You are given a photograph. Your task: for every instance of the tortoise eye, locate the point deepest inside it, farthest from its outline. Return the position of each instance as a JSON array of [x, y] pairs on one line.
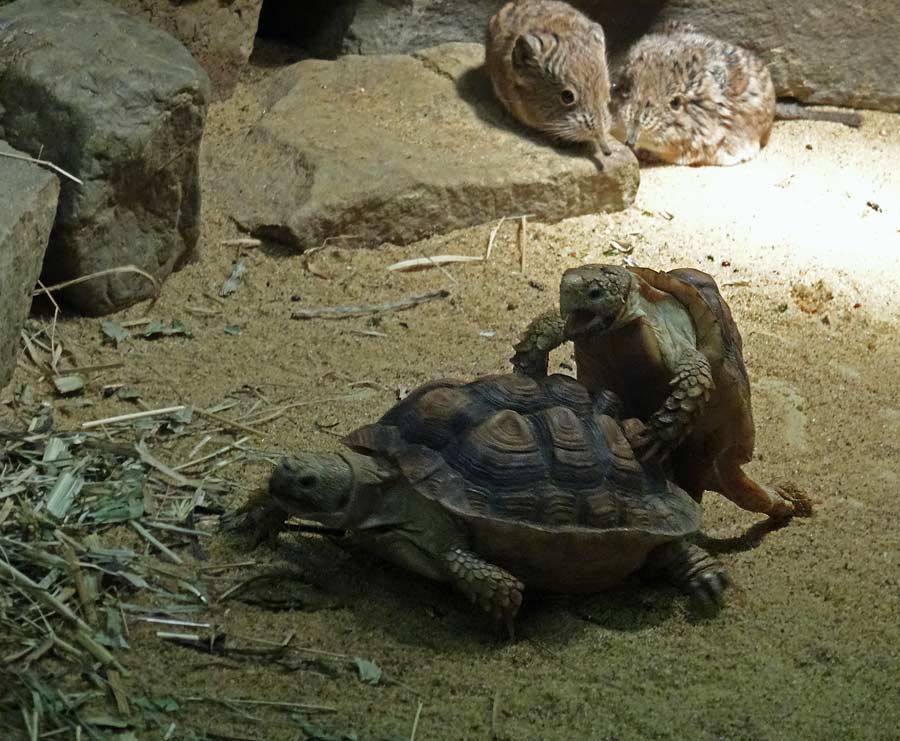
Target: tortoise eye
[[308, 481], [594, 294], [567, 97]]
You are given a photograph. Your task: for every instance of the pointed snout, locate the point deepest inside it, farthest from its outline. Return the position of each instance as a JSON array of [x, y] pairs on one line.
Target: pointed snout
[[632, 137]]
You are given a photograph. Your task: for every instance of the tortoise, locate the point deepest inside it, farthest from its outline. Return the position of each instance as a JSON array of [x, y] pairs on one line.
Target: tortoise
[[667, 345], [500, 483]]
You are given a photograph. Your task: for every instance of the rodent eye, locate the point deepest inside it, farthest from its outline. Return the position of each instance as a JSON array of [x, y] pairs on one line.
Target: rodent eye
[[567, 97], [675, 103]]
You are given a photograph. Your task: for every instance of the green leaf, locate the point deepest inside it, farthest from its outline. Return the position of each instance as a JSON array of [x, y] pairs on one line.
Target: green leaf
[[369, 671], [114, 332], [165, 704], [157, 328], [234, 280], [232, 329], [71, 384], [63, 494]]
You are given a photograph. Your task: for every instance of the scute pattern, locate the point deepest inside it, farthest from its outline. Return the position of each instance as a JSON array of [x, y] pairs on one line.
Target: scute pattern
[[545, 453]]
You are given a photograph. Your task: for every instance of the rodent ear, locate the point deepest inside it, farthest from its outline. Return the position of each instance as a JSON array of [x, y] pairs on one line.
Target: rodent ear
[[526, 52], [597, 33]]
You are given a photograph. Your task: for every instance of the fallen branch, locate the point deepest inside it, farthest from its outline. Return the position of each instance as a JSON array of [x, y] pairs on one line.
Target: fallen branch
[[43, 163], [132, 416], [423, 263], [100, 274], [345, 312]]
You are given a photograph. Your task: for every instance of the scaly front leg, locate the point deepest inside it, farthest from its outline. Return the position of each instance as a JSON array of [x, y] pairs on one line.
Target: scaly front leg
[[493, 589], [543, 335], [694, 570], [691, 384]]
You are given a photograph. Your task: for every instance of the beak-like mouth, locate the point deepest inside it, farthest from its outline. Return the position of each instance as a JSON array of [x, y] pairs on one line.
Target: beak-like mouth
[[581, 322]]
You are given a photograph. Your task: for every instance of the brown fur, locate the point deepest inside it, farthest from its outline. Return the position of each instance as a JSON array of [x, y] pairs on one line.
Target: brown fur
[[689, 99], [547, 63]]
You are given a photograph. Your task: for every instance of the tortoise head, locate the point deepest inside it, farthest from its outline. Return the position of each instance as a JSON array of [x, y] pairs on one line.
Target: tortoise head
[[592, 298], [314, 486]]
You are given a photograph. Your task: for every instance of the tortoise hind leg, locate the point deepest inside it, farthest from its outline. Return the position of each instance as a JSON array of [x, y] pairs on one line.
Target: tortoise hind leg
[[693, 569], [753, 497], [544, 334], [493, 589]]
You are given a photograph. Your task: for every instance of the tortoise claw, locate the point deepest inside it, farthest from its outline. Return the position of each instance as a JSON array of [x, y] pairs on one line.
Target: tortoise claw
[[708, 588]]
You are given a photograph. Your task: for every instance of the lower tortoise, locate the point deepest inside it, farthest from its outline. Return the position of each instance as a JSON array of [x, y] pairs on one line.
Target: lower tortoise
[[501, 483]]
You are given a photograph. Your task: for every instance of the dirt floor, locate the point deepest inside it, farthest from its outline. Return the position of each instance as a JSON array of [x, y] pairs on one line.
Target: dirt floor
[[805, 242]]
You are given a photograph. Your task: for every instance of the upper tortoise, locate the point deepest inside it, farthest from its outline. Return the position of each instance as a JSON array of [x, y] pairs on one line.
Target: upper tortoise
[[501, 483], [666, 344]]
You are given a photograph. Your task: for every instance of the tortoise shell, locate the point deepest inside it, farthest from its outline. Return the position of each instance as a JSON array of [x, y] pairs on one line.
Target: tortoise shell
[[730, 417], [539, 472]]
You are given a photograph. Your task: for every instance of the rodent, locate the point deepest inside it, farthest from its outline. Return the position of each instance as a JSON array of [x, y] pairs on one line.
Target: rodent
[[690, 99], [547, 63]]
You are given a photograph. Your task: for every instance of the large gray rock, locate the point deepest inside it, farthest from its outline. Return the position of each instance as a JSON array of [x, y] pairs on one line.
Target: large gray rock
[[27, 209], [396, 148], [220, 35], [841, 52], [121, 105]]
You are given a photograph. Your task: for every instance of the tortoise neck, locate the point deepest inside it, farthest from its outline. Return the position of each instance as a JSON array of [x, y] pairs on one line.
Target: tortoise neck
[[370, 477]]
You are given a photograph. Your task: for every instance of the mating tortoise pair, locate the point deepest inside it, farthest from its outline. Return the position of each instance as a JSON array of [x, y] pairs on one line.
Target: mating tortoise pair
[[512, 480]]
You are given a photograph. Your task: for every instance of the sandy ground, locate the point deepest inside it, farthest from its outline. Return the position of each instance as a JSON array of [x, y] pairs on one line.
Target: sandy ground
[[808, 646]]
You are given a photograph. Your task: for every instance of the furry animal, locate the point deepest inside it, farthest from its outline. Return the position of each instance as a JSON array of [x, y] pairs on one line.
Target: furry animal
[[689, 99], [547, 63]]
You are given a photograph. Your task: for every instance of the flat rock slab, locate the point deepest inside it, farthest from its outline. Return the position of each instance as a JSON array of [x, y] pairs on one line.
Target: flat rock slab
[[397, 148], [120, 105], [27, 210]]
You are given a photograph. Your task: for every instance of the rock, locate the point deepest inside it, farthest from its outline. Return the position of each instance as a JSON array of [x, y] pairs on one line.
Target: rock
[[121, 105], [386, 27], [27, 210], [838, 53], [220, 35], [396, 148], [835, 53]]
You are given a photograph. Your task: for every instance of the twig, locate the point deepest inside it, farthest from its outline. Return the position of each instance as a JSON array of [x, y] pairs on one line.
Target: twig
[[345, 312], [150, 538], [412, 735], [491, 237], [224, 421], [44, 163], [521, 241], [241, 242], [423, 263], [495, 714], [84, 596], [164, 469], [272, 703], [90, 368], [100, 274], [132, 416], [214, 454]]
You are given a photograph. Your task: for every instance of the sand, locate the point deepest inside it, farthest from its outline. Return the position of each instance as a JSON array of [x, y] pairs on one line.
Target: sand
[[808, 646]]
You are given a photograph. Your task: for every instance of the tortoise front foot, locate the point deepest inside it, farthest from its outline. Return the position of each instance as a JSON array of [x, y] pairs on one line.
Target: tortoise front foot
[[694, 570], [259, 518], [493, 589], [543, 335], [691, 384]]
